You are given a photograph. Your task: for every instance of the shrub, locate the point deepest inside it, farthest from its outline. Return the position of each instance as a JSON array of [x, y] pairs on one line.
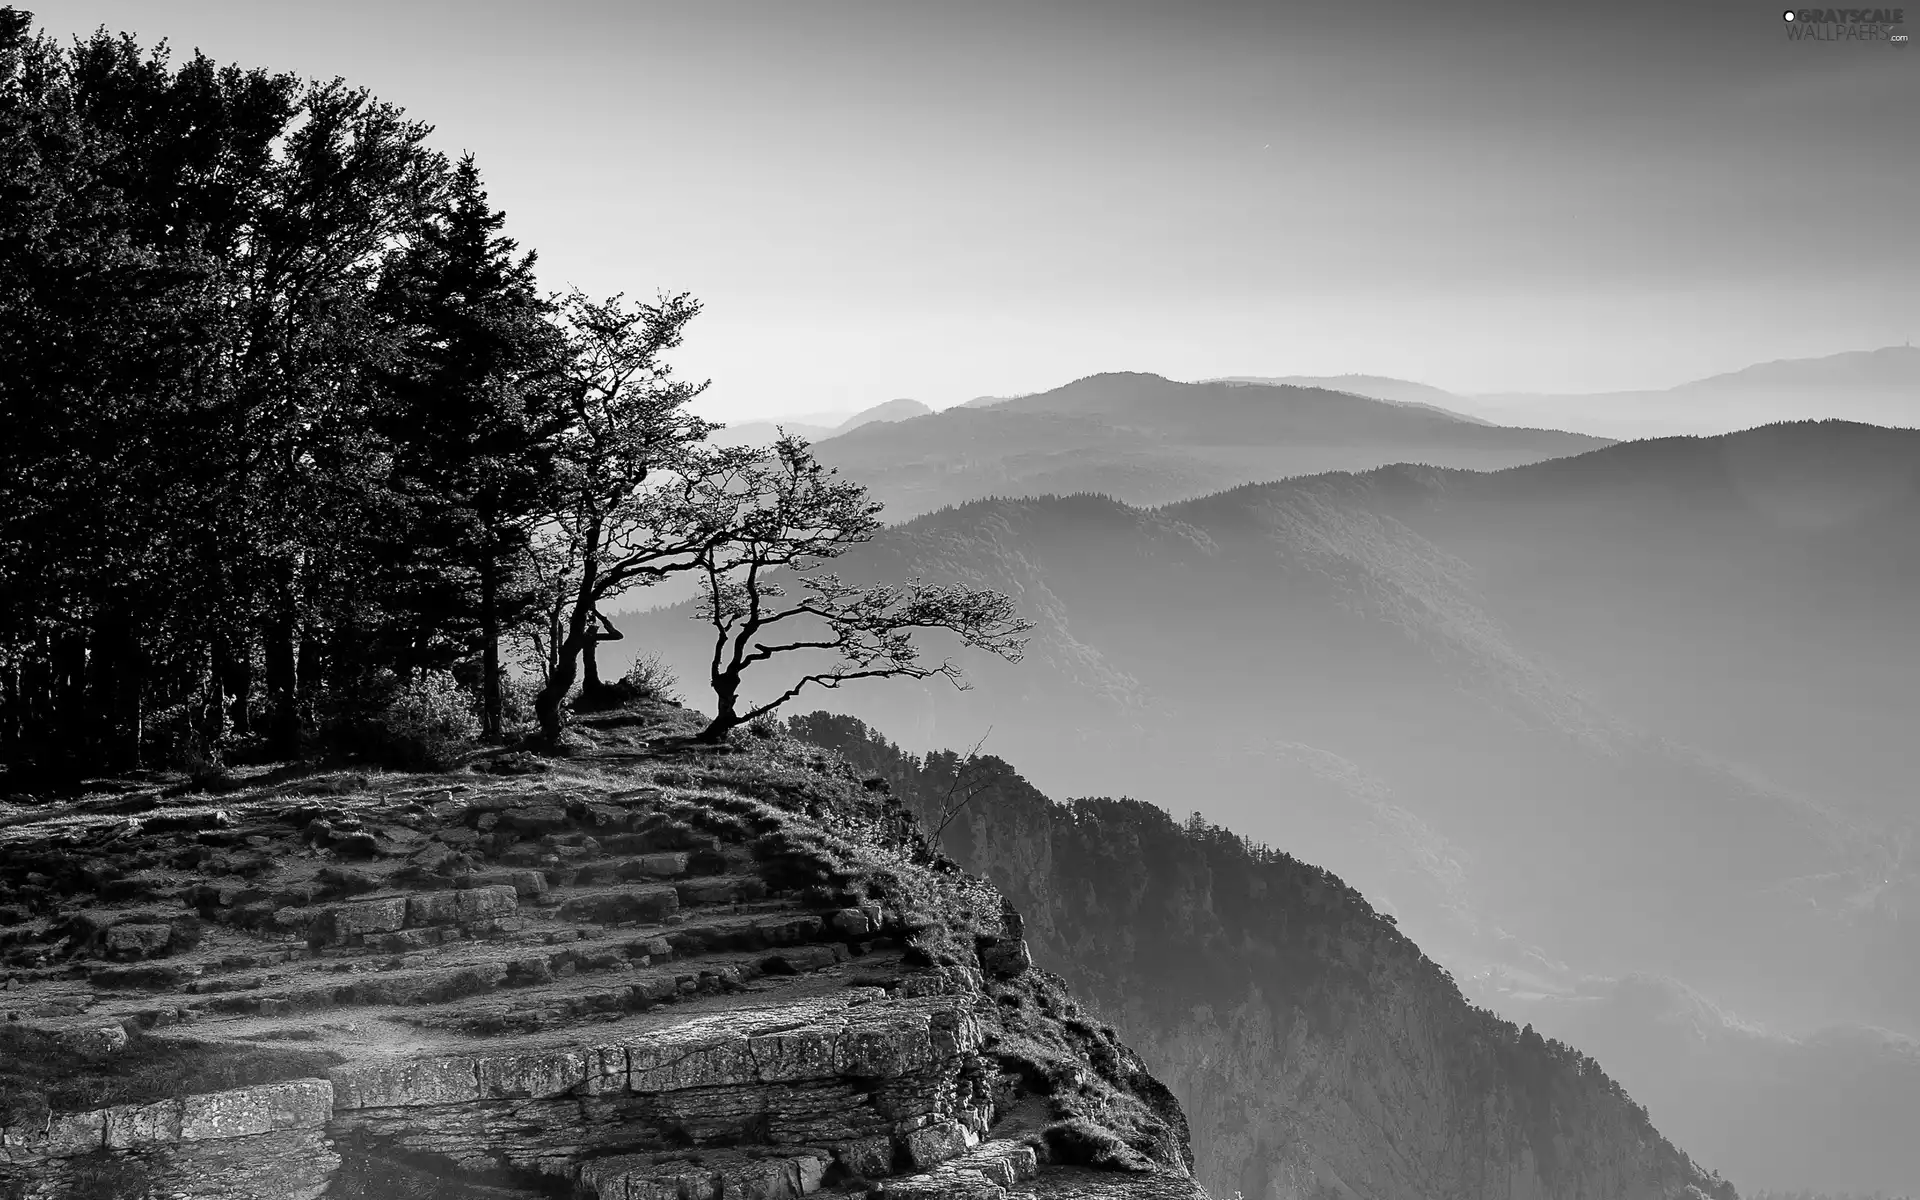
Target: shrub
[[1080, 1142], [649, 678], [763, 727], [427, 724], [516, 706]]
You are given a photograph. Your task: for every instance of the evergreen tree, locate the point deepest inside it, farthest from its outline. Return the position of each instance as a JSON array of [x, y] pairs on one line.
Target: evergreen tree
[[472, 419], [186, 260]]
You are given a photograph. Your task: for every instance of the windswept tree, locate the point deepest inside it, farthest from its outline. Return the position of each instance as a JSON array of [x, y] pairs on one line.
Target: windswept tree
[[622, 514], [785, 516]]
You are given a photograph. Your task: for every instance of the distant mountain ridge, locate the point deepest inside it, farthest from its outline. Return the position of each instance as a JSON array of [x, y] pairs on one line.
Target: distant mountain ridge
[[764, 432], [892, 410], [1377, 387], [1145, 439], [1880, 387]]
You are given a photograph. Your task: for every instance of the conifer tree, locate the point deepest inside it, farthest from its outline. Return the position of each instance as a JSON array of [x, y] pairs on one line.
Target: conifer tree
[[473, 417]]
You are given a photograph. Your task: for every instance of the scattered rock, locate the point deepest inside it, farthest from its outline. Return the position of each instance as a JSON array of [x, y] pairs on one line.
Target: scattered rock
[[128, 942]]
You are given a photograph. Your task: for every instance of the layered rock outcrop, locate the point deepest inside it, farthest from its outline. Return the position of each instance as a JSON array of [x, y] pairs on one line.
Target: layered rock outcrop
[[644, 973]]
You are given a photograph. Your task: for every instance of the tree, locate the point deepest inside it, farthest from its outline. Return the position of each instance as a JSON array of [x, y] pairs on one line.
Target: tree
[[299, 423], [132, 190], [625, 511], [473, 415], [784, 515], [193, 486], [971, 778]]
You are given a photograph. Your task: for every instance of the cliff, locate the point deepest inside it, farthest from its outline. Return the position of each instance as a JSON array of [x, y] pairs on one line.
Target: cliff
[[1316, 1051], [645, 970]]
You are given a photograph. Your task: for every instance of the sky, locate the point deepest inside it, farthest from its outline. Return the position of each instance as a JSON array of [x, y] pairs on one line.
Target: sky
[[900, 198]]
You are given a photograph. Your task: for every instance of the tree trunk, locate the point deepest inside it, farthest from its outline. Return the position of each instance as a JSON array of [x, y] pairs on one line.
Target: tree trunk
[[560, 678], [233, 670], [553, 693], [580, 630], [31, 728], [70, 696], [490, 720], [591, 654], [116, 667], [283, 721], [726, 695], [307, 663]]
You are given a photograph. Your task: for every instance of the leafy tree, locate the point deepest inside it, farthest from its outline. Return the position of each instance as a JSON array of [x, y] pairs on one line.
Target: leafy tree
[[621, 513], [193, 484], [128, 187], [300, 419], [784, 515]]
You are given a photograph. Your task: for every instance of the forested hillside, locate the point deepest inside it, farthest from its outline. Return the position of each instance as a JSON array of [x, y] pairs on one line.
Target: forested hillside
[[1316, 1051]]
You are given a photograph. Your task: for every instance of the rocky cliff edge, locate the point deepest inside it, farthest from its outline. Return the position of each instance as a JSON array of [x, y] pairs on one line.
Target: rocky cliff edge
[[644, 970]]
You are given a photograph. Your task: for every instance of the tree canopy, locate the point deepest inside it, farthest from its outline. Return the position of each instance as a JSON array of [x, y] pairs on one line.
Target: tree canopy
[[294, 434]]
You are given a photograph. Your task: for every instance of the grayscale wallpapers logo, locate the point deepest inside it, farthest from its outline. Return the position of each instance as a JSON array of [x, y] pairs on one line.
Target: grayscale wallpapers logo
[[1846, 25]]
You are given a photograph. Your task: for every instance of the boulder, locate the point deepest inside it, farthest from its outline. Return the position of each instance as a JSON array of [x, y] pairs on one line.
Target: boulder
[[1006, 960]]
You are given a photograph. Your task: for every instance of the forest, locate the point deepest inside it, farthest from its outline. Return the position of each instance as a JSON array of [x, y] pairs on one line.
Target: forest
[[1158, 921], [301, 456]]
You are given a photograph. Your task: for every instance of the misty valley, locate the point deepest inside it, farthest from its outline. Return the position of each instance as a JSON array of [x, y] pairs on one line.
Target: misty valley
[[452, 749]]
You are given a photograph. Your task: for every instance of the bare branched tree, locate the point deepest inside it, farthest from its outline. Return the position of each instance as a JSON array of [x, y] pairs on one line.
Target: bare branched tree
[[968, 783], [785, 515]]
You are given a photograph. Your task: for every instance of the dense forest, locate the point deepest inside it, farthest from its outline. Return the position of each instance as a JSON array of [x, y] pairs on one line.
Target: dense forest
[[299, 453]]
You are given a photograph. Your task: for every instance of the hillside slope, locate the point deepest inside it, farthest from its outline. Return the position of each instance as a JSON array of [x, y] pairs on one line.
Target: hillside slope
[[1343, 683], [1825, 1111], [1316, 1051]]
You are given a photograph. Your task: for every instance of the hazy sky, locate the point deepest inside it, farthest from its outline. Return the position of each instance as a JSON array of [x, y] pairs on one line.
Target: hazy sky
[[943, 200]]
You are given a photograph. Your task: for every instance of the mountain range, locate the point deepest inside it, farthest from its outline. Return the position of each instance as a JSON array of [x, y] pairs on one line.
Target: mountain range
[[1879, 387], [1149, 440], [815, 427], [1377, 387], [1144, 439], [1645, 709]]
